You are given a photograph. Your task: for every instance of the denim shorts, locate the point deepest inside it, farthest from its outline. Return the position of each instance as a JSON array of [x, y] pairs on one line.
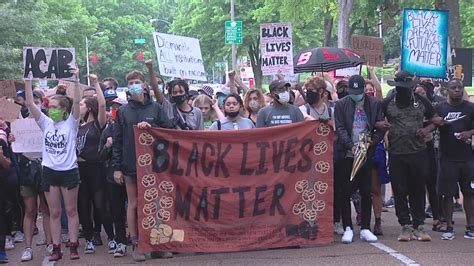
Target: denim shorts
[[68, 179]]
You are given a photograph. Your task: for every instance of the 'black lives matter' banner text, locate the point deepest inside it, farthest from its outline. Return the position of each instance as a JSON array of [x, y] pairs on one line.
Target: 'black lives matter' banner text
[[276, 46]]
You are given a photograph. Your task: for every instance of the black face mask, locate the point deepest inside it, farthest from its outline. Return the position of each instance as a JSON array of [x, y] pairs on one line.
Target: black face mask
[[342, 94], [403, 97], [179, 99], [232, 114], [312, 97]]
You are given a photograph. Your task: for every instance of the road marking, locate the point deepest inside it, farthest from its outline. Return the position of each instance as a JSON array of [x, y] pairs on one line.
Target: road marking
[[392, 252]]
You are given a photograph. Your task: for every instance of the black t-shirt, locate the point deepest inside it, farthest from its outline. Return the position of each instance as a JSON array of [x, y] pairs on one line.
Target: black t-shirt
[[451, 148], [88, 140]]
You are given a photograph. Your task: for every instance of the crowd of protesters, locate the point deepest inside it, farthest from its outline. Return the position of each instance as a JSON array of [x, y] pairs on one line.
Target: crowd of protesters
[[85, 177]]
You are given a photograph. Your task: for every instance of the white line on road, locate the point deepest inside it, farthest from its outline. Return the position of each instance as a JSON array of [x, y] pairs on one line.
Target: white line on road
[[392, 252]]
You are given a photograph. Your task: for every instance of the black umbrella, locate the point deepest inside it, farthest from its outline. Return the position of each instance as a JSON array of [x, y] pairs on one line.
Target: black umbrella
[[325, 59]]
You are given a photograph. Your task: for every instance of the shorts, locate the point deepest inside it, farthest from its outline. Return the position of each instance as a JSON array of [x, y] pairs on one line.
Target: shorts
[[67, 179], [29, 191], [130, 179], [452, 173]]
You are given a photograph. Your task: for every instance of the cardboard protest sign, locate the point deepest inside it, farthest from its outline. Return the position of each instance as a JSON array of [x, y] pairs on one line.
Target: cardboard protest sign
[[347, 72], [461, 67], [276, 46], [425, 42], [369, 48], [225, 191], [7, 88], [179, 56], [48, 63], [9, 110], [28, 136], [70, 86]]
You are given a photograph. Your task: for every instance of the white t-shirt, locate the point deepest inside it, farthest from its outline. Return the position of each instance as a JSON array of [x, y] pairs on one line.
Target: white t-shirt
[[59, 143]]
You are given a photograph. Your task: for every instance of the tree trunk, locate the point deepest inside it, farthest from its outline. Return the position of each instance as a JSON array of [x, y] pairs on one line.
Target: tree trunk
[[328, 22], [455, 36], [343, 27], [256, 61]]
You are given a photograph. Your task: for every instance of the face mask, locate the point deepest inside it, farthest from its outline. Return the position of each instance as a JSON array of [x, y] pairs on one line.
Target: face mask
[[357, 97], [56, 115], [370, 94], [179, 99], [284, 97], [312, 97], [135, 89], [254, 106], [220, 100], [232, 114]]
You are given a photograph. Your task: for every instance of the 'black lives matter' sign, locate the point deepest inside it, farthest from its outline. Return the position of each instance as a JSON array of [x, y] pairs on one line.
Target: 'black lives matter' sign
[[276, 46], [48, 63]]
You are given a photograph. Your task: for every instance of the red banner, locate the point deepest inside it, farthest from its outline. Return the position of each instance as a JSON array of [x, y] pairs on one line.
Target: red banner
[[219, 191]]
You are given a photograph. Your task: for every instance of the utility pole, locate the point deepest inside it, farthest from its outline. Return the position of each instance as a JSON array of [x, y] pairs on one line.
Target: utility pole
[[234, 50], [379, 10]]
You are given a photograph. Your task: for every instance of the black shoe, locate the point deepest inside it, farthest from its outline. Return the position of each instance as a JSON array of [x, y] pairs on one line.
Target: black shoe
[[96, 240], [457, 207]]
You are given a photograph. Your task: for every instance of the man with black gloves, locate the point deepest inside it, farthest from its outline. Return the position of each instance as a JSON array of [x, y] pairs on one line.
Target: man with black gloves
[[356, 114]]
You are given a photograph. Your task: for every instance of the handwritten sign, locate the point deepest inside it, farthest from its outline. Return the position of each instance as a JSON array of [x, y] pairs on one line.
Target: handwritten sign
[[347, 72], [28, 136], [276, 46], [70, 87], [369, 48], [48, 63], [7, 88], [425, 42], [179, 56], [8, 110]]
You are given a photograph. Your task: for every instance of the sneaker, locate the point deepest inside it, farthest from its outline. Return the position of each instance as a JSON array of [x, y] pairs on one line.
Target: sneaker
[[469, 234], [56, 254], [120, 251], [9, 243], [366, 235], [97, 240], [27, 254], [348, 236], [112, 246], [3, 257], [338, 229], [378, 227], [406, 234], [457, 207], [420, 234], [161, 255], [73, 254], [49, 249], [89, 248], [136, 255], [19, 237], [390, 203], [449, 235]]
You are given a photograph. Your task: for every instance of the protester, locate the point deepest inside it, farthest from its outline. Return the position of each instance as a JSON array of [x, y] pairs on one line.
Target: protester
[[144, 113], [315, 106], [60, 173], [110, 83], [456, 157], [280, 112], [408, 158], [232, 121], [341, 88], [209, 109], [5, 168], [253, 102], [89, 92], [356, 114]]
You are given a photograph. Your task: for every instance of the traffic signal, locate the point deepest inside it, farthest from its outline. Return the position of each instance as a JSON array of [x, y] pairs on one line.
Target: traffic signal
[[140, 56], [94, 58]]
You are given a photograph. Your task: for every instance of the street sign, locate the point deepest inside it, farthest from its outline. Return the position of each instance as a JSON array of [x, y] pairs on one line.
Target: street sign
[[220, 64], [139, 41], [233, 32]]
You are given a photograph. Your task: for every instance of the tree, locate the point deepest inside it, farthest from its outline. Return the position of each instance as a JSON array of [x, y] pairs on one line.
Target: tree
[[345, 7], [455, 35]]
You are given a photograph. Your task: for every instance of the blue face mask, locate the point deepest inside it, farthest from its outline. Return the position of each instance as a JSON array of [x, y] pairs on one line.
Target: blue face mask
[[135, 89], [357, 97]]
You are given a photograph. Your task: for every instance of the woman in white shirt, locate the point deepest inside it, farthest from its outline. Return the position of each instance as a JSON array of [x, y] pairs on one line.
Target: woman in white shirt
[[232, 121], [60, 170]]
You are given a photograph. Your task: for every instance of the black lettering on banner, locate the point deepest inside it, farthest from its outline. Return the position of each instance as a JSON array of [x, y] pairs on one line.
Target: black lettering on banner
[[53, 67], [162, 157], [193, 160], [175, 170], [202, 206], [277, 155], [261, 165], [59, 63], [207, 169], [220, 160], [241, 191], [183, 204], [217, 200], [65, 58], [423, 39], [289, 154], [33, 62], [243, 169], [258, 200], [275, 32], [304, 165], [278, 193]]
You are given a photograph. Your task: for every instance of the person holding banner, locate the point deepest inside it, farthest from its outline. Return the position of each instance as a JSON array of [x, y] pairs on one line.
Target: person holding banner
[[140, 111], [355, 115], [232, 121], [280, 112], [60, 170]]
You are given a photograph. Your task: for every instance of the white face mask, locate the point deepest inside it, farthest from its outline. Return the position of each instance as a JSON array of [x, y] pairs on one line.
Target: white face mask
[[284, 97]]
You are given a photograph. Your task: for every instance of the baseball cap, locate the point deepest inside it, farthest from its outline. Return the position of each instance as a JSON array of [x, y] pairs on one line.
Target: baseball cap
[[20, 93], [110, 94], [356, 85], [278, 84], [208, 90], [120, 101]]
